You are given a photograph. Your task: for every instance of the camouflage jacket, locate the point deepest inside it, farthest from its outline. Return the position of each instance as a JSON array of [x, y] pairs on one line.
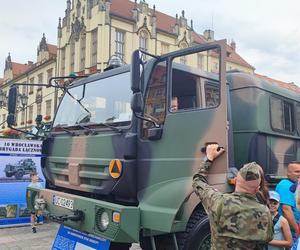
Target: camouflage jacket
[[237, 220]]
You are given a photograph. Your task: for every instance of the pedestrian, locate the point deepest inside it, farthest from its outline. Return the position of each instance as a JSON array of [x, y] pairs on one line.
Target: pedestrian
[[237, 220], [282, 233], [287, 191], [34, 214]]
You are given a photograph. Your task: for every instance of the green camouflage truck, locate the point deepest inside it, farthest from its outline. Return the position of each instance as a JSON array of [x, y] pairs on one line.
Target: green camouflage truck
[[119, 162]]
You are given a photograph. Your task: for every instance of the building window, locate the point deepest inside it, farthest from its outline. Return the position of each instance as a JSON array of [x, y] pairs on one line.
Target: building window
[[281, 115], [72, 56], [94, 47], [39, 108], [120, 43], [24, 89], [63, 61], [144, 40], [31, 87], [82, 51], [40, 81], [165, 48], [23, 117], [16, 119], [30, 114], [48, 107], [183, 59], [40, 78], [200, 61], [215, 68], [49, 74]]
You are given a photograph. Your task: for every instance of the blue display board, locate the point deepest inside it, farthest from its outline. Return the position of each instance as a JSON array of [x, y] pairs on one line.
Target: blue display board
[[70, 239], [18, 158]]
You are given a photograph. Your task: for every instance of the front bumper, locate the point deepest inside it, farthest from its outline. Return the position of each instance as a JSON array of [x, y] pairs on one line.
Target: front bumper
[[127, 230]]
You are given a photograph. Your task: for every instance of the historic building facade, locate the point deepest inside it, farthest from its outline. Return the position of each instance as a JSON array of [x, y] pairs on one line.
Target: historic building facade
[[89, 34], [93, 31], [32, 100]]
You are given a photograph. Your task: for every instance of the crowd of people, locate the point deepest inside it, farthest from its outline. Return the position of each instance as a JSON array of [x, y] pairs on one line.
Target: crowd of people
[[251, 217]]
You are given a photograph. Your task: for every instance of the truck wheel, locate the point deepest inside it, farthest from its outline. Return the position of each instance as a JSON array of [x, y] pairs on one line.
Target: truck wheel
[[119, 246], [162, 242], [19, 174], [197, 234], [8, 175]]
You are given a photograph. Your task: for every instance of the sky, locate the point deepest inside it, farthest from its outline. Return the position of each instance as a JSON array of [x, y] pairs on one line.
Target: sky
[[267, 33]]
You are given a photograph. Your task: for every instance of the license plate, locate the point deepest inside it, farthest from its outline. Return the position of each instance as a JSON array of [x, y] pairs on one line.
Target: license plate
[[63, 202]]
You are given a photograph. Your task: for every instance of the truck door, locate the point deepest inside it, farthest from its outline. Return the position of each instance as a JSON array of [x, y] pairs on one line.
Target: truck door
[[169, 148]]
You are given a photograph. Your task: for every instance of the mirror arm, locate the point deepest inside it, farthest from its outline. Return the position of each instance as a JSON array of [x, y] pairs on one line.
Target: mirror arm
[[146, 119], [26, 132]]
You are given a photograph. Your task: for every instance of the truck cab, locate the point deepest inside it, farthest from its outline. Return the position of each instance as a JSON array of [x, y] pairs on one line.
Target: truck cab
[[119, 162]]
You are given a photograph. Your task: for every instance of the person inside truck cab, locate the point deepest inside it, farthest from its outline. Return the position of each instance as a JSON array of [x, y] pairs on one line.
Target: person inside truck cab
[[174, 104]]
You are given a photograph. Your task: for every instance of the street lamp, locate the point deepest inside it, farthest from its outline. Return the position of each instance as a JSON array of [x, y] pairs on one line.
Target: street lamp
[[24, 101]]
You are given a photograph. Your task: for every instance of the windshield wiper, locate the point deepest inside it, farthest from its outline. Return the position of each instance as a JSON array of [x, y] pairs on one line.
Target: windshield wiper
[[66, 130], [85, 119], [111, 127], [92, 131]]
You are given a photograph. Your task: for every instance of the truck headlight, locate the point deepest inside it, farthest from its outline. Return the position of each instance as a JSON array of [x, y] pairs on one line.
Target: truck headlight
[[104, 220]]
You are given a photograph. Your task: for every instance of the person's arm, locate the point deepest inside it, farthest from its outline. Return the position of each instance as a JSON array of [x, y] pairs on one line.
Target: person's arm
[[288, 240], [207, 194], [289, 215]]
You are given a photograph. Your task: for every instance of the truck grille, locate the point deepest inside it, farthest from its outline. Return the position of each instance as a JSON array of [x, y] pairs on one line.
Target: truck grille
[[79, 176]]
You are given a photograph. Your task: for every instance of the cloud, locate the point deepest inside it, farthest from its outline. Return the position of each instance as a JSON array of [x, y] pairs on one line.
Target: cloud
[[267, 32], [22, 25]]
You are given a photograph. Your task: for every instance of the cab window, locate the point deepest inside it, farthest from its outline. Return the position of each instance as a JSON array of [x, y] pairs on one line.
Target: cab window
[[155, 105], [193, 86]]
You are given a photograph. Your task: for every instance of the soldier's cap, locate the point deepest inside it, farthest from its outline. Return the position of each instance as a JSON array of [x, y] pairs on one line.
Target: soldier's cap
[[274, 196], [250, 171]]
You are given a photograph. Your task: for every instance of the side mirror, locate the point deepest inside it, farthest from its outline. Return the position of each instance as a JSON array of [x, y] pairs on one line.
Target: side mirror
[[136, 71], [12, 104], [155, 134], [10, 120], [12, 99], [137, 102]]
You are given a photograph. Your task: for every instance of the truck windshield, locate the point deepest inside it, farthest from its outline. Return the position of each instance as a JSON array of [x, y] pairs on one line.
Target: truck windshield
[[103, 101]]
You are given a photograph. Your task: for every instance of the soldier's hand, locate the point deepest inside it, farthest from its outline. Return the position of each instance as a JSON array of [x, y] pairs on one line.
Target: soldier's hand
[[213, 151]]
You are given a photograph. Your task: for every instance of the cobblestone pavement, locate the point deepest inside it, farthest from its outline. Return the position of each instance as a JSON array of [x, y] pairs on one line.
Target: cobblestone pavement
[[22, 238]]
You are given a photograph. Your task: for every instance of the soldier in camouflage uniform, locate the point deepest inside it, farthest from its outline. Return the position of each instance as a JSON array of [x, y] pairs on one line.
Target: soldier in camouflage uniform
[[237, 220]]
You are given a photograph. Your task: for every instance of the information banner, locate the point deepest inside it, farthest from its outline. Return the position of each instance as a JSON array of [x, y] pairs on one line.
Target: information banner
[[71, 239], [18, 158]]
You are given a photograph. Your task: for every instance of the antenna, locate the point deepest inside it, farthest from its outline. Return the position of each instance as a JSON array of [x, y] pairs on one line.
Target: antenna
[[212, 21]]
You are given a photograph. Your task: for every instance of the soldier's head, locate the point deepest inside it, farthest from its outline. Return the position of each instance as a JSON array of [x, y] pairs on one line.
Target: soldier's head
[[293, 171], [249, 178]]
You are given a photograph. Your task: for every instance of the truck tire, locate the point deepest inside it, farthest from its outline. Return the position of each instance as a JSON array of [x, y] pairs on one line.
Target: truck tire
[[119, 246], [8, 175], [19, 174], [162, 242], [197, 234]]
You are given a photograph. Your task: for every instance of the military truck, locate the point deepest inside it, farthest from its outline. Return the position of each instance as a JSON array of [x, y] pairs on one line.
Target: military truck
[[119, 162], [21, 168]]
